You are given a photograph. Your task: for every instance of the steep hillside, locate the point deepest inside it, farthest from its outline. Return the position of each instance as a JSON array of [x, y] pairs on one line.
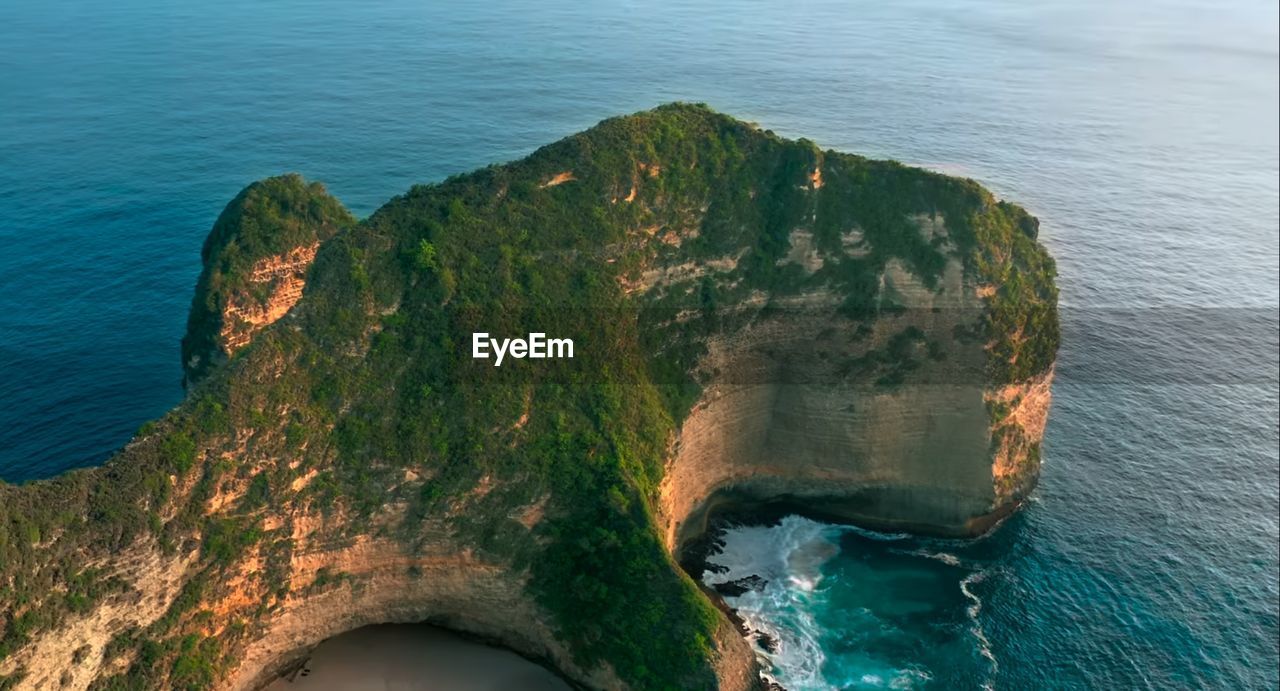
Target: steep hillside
[[754, 320], [255, 261]]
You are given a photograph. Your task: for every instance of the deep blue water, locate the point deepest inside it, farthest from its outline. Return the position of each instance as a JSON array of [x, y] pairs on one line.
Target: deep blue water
[[1143, 133]]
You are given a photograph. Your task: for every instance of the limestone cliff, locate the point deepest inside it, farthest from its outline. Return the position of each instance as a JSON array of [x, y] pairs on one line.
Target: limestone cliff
[[756, 320], [255, 265]]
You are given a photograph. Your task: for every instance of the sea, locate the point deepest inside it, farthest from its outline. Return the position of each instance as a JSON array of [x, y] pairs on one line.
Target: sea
[[1143, 133]]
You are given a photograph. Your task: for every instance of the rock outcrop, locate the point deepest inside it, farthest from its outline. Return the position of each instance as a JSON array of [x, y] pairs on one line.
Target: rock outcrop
[[756, 321], [255, 266]]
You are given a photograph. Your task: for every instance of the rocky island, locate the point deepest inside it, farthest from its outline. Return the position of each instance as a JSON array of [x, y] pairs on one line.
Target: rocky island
[[756, 321]]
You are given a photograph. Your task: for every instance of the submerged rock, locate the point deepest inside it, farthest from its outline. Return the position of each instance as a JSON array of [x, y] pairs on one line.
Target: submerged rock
[[740, 586]]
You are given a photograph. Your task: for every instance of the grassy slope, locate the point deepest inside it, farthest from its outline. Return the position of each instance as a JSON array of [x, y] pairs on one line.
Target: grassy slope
[[375, 378]]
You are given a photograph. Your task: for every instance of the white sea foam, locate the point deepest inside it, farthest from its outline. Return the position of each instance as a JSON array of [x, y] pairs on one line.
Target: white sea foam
[[975, 624], [873, 534], [944, 557], [910, 679], [789, 557], [900, 679], [788, 638], [794, 549]]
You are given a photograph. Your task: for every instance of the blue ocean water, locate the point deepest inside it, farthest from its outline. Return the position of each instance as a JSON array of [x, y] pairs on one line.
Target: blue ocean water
[[1144, 133]]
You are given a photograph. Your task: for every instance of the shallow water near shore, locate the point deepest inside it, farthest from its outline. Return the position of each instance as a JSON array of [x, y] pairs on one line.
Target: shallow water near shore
[[842, 608], [1144, 134]]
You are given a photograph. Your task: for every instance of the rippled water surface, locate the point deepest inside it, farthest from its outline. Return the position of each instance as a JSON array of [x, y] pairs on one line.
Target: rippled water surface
[[1143, 133]]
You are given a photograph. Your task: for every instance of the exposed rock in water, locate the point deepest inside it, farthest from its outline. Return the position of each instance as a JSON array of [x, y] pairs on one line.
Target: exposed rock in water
[[766, 642], [742, 585], [757, 321]]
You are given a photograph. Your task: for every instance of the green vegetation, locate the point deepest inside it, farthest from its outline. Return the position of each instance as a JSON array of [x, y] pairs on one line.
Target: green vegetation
[[373, 376], [889, 366], [1022, 318], [267, 219]]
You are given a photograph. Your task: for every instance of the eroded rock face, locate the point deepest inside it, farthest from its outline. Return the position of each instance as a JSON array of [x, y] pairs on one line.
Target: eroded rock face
[[336, 582], [337, 588], [76, 653], [1019, 413], [778, 421], [756, 320], [255, 266], [281, 278], [896, 422]]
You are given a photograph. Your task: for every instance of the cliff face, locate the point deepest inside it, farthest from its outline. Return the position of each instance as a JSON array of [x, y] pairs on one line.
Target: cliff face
[[755, 320], [255, 265], [891, 423]]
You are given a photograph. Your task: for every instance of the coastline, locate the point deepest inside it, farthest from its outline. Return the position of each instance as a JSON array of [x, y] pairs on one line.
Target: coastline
[[695, 555], [725, 508]]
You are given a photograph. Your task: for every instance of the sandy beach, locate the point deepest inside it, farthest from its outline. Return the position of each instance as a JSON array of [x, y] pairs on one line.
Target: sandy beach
[[410, 657]]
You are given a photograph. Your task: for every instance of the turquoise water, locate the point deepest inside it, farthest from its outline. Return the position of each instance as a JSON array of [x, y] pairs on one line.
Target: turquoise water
[[1145, 134]]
